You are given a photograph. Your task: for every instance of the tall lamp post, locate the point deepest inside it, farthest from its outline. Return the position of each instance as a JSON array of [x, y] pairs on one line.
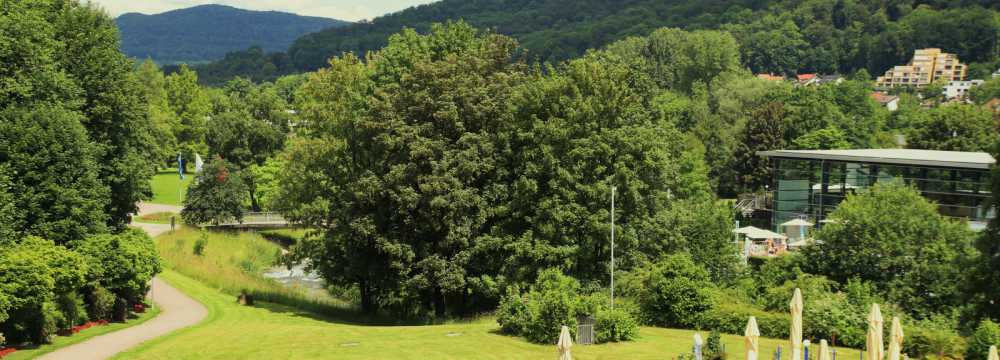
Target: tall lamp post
[[613, 188]]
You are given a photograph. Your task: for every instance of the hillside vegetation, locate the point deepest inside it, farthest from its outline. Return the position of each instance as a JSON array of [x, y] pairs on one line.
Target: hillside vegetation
[[780, 36], [208, 32]]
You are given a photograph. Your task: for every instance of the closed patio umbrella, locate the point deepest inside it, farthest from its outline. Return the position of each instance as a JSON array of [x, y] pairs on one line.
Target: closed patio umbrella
[[824, 351], [752, 339], [873, 343], [565, 342], [796, 329], [895, 339]]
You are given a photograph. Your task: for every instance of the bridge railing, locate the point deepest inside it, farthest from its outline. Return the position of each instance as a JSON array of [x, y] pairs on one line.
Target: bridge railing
[[256, 218]]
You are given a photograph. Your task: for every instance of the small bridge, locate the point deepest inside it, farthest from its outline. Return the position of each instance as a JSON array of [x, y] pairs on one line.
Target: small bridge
[[256, 220]]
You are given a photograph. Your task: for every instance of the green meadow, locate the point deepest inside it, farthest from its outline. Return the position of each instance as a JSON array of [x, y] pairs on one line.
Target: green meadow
[[268, 330]]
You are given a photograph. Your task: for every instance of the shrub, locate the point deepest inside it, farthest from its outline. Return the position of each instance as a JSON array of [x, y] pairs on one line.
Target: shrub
[[512, 314], [199, 245], [553, 302], [122, 263], [72, 310], [714, 348], [614, 325], [986, 334], [101, 303], [924, 341], [674, 294], [731, 317]]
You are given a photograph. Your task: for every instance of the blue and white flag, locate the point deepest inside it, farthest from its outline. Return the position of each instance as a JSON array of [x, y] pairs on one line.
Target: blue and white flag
[[180, 166]]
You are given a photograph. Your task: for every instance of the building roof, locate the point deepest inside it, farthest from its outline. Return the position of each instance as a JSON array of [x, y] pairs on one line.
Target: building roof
[[883, 98], [950, 159], [806, 77], [770, 77], [759, 234]]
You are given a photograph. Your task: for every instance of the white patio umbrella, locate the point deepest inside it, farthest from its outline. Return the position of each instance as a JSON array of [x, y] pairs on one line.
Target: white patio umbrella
[[874, 341], [797, 222], [993, 353], [752, 339], [824, 351], [565, 342], [796, 331], [895, 339]]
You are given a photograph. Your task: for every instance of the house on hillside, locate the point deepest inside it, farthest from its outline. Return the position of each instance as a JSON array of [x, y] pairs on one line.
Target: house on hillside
[[960, 89], [890, 102], [770, 77], [806, 79], [828, 79]]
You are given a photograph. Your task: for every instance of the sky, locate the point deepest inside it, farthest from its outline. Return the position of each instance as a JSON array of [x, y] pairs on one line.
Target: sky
[[350, 10]]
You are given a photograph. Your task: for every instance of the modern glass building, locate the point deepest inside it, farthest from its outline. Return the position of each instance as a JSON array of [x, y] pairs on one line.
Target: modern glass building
[[809, 184]]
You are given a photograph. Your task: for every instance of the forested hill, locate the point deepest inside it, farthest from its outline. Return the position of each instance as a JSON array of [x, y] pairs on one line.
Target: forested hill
[[208, 32], [780, 36]]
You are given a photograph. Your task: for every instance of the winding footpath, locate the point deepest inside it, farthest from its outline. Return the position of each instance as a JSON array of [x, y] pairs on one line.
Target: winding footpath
[[176, 311]]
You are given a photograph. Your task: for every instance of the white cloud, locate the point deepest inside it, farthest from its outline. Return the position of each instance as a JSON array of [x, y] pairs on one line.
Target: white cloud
[[351, 10]]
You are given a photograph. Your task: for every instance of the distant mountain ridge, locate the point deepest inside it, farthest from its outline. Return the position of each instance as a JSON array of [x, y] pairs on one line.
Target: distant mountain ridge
[[207, 32]]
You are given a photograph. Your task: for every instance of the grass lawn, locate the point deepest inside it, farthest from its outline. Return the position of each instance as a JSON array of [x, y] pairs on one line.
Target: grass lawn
[[273, 331], [233, 261], [270, 331], [64, 341], [166, 186], [158, 218]]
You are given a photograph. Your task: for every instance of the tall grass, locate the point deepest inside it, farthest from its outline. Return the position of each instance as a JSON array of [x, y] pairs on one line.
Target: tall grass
[[233, 262]]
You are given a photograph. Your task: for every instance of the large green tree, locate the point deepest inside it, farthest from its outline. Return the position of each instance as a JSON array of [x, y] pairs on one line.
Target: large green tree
[[249, 127], [217, 194], [426, 147], [55, 189], [96, 81], [955, 127], [896, 239]]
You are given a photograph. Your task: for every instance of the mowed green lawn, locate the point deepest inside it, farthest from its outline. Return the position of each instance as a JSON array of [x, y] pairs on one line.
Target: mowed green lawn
[[168, 187], [272, 331]]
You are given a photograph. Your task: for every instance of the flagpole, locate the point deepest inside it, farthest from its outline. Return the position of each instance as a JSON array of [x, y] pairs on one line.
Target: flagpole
[[613, 246]]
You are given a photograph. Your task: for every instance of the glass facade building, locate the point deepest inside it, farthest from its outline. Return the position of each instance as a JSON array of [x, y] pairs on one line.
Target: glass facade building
[[809, 184]]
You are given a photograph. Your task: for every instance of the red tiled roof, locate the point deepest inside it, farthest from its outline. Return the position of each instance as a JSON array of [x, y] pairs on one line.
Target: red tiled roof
[[806, 77], [883, 98]]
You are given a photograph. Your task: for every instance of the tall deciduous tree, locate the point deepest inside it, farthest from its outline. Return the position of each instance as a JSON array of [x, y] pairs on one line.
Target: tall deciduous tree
[[765, 131], [191, 106], [217, 194], [896, 239], [95, 80], [53, 175], [955, 127]]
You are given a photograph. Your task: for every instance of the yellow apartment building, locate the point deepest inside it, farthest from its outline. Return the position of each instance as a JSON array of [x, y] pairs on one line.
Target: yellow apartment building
[[927, 66]]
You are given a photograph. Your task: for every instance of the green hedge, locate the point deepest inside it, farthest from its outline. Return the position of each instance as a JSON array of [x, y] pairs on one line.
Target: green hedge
[[731, 318]]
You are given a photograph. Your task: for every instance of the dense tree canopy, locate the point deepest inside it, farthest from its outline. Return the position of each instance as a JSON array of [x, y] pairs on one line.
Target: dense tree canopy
[[217, 194], [896, 239], [53, 175], [492, 171], [96, 83], [955, 127], [778, 36], [76, 154]]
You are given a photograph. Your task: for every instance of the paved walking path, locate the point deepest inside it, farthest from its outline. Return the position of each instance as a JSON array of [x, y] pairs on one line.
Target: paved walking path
[[176, 311]]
